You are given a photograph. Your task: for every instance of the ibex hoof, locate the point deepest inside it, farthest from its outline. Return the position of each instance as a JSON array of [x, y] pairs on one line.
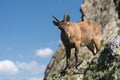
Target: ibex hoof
[[63, 72], [68, 66], [77, 64]]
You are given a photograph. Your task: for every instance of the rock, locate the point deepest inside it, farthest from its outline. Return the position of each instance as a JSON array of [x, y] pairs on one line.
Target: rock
[[111, 47], [102, 11], [106, 64]]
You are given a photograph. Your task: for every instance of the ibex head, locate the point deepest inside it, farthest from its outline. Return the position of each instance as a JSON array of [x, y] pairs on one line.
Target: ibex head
[[64, 24]]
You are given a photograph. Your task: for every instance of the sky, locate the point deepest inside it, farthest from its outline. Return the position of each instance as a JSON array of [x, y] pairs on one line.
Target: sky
[[28, 38]]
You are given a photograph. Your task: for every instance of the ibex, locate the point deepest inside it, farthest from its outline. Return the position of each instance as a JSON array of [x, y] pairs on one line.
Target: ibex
[[74, 35]]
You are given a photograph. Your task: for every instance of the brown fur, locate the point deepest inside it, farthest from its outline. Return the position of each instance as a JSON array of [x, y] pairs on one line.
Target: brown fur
[[74, 35]]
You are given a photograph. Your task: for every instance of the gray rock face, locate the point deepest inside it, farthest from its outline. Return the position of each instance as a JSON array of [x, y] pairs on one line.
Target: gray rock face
[[112, 46], [102, 11], [106, 64], [117, 2]]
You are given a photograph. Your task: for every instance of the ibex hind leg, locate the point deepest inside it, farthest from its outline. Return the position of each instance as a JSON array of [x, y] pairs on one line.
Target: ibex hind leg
[[77, 47], [97, 44], [92, 47]]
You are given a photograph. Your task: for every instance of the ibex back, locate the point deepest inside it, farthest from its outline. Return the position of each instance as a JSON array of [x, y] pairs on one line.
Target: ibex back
[[74, 35]]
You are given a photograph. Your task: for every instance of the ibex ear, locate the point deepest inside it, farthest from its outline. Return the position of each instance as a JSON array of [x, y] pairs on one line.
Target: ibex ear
[[68, 18], [55, 23]]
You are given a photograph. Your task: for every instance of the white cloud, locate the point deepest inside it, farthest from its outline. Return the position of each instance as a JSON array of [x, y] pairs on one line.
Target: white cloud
[[11, 79], [32, 78], [8, 67], [32, 67], [46, 52]]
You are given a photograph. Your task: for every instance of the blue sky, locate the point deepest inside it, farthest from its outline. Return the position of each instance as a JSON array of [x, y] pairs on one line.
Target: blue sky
[[28, 37]]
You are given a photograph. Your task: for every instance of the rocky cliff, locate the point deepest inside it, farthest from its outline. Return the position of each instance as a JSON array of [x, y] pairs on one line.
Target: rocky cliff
[[106, 64]]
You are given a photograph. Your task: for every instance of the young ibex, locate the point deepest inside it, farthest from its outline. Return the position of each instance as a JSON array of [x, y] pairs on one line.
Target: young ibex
[[74, 35]]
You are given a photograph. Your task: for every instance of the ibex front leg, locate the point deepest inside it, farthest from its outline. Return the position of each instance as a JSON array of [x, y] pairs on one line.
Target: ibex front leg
[[68, 54]]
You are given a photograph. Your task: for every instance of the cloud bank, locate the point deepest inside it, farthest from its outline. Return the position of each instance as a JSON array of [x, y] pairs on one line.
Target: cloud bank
[[32, 67], [32, 78], [8, 67]]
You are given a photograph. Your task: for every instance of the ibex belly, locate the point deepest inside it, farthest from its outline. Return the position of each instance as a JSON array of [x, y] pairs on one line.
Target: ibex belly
[[86, 40], [85, 43]]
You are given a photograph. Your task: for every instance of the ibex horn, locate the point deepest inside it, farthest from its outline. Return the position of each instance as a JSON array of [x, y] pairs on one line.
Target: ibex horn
[[65, 17], [55, 18]]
